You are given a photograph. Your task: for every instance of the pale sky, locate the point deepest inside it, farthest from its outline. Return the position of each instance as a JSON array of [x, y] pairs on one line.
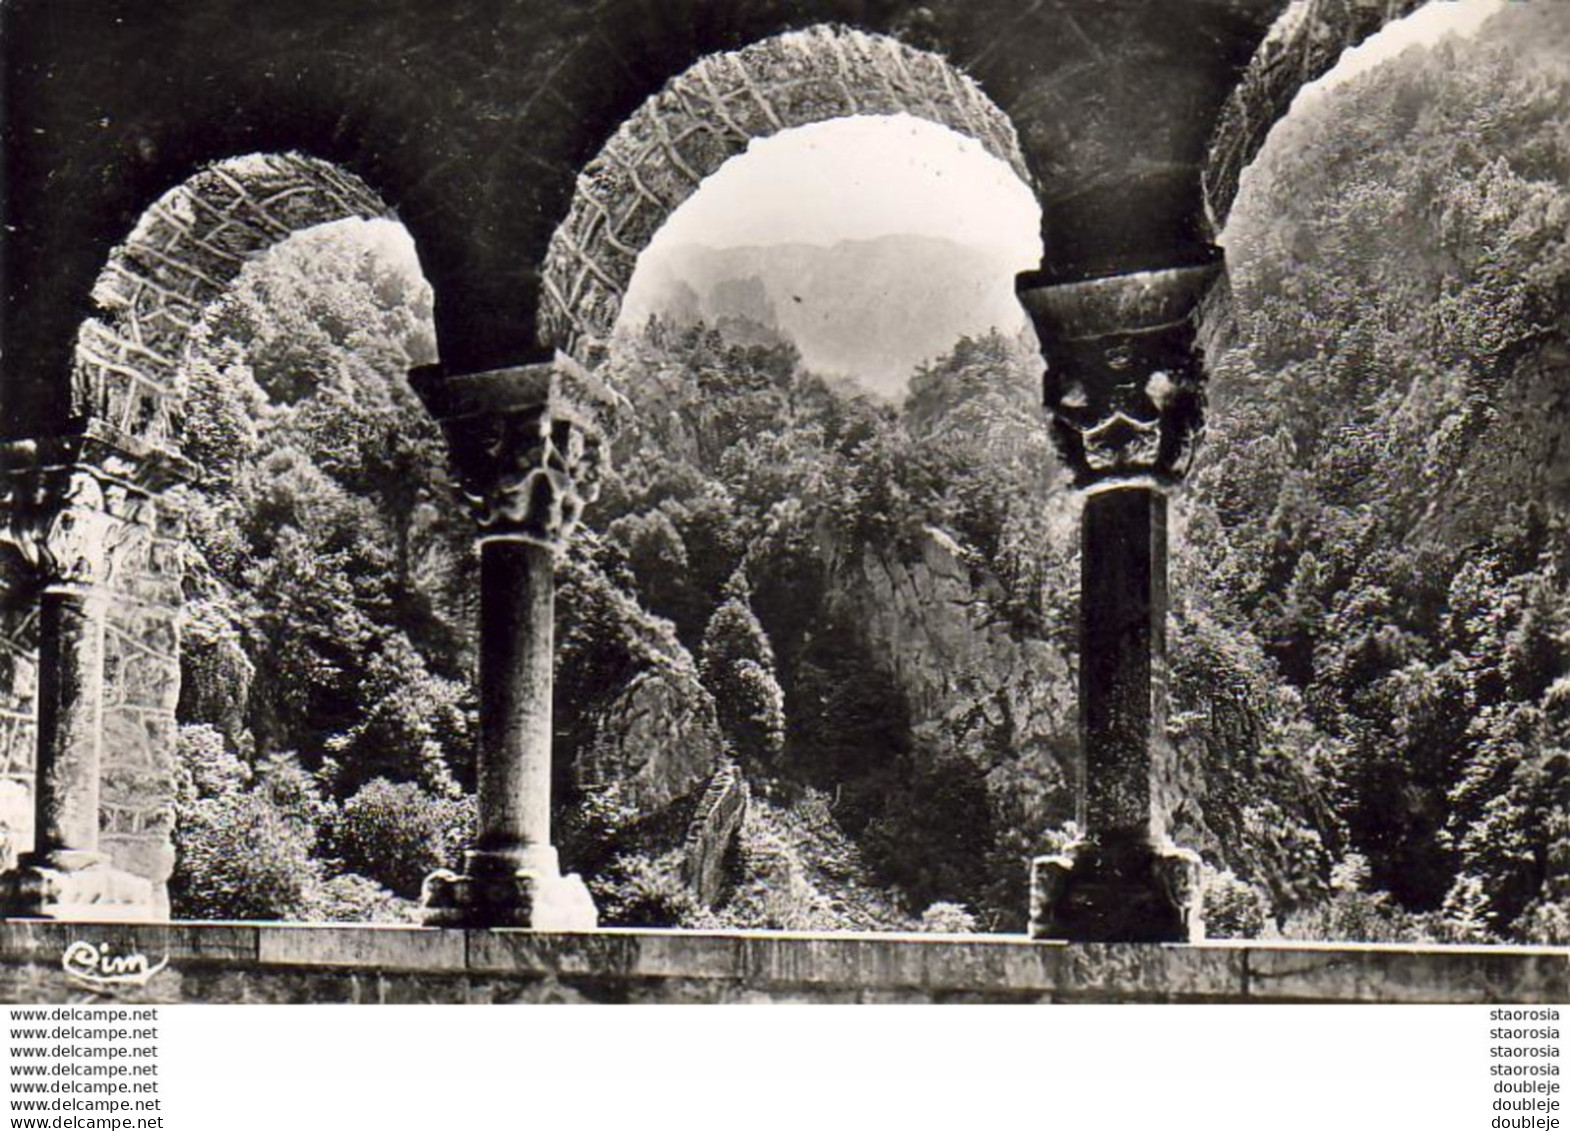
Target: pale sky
[[1426, 26], [858, 178]]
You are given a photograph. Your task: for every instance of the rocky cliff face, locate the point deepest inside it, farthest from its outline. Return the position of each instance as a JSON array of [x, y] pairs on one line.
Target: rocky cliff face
[[1243, 790], [657, 739], [630, 709], [975, 685], [916, 575], [1246, 790]]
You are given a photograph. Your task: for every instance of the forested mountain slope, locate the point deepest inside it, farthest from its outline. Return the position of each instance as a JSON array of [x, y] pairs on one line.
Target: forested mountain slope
[[1382, 497]]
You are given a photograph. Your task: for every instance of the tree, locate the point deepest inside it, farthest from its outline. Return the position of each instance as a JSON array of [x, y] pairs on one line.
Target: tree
[[332, 557], [1374, 506], [244, 840], [737, 665]]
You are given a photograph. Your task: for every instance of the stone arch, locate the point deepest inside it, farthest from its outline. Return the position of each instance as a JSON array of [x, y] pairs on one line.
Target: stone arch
[[123, 427], [1305, 43], [709, 114], [183, 253]]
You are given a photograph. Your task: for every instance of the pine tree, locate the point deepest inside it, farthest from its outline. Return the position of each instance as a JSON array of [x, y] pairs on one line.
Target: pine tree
[[737, 664]]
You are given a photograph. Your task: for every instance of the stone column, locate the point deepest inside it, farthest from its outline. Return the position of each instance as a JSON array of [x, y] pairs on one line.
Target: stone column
[[527, 444], [76, 512], [1124, 385], [517, 657], [70, 726]]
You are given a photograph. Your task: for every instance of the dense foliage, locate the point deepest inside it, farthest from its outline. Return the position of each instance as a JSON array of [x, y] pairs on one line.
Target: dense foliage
[[328, 641], [1382, 495]]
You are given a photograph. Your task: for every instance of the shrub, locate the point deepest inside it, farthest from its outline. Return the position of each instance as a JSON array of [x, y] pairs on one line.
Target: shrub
[[1355, 916], [295, 793], [592, 830], [948, 919], [244, 840], [1233, 909], [240, 857], [204, 766], [397, 834], [634, 890], [351, 898], [1545, 923]]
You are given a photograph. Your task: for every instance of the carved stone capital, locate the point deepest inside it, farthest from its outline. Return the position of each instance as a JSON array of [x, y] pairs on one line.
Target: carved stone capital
[[78, 507], [528, 444], [1125, 378]]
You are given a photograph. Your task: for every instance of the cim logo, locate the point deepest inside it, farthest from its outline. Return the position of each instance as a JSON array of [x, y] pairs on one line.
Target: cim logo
[[99, 968]]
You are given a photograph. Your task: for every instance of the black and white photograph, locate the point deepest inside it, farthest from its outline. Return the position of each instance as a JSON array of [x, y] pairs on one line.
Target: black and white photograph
[[785, 501]]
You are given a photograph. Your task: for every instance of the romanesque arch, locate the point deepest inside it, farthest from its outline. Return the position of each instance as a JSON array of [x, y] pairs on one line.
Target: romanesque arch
[[89, 633], [709, 114], [1306, 41], [527, 440], [183, 253]]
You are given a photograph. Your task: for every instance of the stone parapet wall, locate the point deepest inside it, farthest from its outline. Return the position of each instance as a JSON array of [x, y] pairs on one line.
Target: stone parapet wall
[[212, 962]]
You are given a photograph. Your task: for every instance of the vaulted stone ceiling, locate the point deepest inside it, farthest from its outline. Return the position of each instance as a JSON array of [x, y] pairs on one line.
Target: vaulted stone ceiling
[[473, 118]]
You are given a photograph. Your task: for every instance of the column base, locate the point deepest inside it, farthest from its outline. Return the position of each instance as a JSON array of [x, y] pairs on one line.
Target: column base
[[500, 889], [78, 886], [1117, 890]]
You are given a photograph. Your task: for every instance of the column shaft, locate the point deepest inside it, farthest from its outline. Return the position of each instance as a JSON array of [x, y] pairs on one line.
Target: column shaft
[[527, 444], [1122, 675], [82, 509], [517, 599], [1124, 384], [70, 726]]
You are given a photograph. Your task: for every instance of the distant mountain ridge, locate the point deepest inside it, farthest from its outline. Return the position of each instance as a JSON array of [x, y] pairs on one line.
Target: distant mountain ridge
[[869, 309]]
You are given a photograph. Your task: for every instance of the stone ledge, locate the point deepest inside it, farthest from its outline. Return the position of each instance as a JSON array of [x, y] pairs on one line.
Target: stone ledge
[[362, 947], [44, 940], [1389, 974], [344, 962]]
